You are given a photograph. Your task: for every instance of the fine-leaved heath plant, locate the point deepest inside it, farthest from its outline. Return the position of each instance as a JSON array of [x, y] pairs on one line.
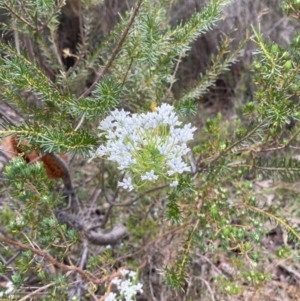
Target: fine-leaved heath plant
[[108, 172]]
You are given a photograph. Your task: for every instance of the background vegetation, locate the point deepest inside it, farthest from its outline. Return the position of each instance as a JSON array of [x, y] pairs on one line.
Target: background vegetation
[[229, 231]]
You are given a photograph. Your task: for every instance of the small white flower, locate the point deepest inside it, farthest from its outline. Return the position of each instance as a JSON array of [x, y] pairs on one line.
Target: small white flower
[[126, 184], [132, 274], [167, 115], [119, 116], [20, 221], [138, 287], [164, 149], [149, 176], [10, 287], [183, 134], [174, 184], [111, 297], [107, 123], [177, 166], [117, 281], [127, 288], [124, 272], [101, 151]]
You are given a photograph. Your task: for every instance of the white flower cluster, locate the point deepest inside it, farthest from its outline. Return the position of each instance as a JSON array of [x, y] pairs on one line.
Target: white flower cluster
[[9, 288], [148, 146], [127, 288], [20, 221]]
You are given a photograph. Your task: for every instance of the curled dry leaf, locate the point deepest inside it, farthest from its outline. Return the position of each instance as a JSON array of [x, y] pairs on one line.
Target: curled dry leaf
[[14, 148]]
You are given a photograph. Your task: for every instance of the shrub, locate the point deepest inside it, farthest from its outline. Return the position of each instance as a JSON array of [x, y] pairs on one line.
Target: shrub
[[109, 231]]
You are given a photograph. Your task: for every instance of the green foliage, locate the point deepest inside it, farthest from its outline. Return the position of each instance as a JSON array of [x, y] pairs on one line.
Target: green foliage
[[215, 210], [220, 63], [105, 97]]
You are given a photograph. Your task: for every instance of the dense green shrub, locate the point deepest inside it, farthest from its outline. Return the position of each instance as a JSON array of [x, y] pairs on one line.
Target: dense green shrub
[[135, 207]]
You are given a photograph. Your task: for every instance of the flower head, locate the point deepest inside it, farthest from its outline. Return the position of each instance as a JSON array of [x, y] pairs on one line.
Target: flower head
[[148, 146], [128, 288], [126, 184]]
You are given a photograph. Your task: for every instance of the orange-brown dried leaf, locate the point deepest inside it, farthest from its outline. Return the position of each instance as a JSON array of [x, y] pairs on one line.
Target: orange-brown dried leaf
[[13, 149]]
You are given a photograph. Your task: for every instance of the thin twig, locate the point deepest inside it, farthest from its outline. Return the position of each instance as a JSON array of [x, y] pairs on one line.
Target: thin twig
[[56, 50], [94, 199], [174, 73], [208, 287], [82, 34], [126, 74], [150, 282], [5, 153], [47, 257], [187, 291], [211, 263], [80, 122], [81, 266], [28, 45], [66, 179], [229, 148], [238, 165], [131, 202], [290, 270], [21, 2], [138, 197], [16, 37], [115, 51], [17, 16], [37, 291], [57, 8], [12, 258], [107, 214], [240, 141], [113, 204], [5, 117], [272, 149], [172, 231]]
